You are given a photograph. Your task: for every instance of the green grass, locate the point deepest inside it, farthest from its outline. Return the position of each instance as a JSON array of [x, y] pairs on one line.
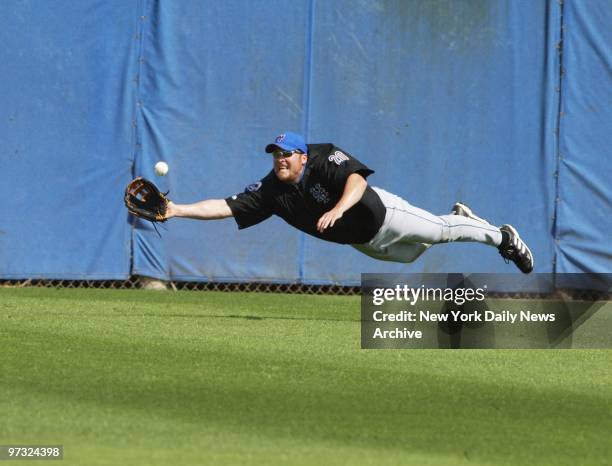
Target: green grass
[[143, 378]]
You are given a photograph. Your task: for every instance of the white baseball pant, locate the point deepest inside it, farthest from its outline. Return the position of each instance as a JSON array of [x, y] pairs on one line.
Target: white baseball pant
[[407, 231]]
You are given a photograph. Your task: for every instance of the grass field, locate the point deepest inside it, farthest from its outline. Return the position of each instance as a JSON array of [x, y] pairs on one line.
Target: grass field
[[143, 378]]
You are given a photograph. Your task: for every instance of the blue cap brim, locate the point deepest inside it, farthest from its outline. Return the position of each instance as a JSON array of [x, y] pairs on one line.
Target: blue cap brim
[[272, 147]]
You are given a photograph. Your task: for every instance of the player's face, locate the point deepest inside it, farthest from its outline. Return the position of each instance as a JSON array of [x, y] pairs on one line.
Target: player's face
[[288, 165]]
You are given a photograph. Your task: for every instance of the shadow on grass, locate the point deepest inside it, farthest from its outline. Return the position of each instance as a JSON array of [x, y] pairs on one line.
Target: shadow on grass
[[273, 394]]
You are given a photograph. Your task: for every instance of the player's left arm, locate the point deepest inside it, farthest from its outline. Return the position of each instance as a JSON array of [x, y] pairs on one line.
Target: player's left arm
[[353, 191]]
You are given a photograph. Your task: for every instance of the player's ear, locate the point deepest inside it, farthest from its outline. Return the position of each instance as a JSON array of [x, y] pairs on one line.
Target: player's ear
[[304, 158]]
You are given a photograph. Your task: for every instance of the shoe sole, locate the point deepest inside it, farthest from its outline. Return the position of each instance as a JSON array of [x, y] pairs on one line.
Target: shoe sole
[[463, 210], [514, 232]]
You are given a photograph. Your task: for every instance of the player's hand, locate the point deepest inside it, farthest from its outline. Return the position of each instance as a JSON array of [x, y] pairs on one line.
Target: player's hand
[[170, 210], [328, 219]]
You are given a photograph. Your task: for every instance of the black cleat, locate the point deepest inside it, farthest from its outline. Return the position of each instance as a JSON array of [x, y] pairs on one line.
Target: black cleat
[[462, 209], [516, 251]]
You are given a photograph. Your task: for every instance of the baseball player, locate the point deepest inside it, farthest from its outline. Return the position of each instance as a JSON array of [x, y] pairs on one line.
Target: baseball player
[[322, 190]]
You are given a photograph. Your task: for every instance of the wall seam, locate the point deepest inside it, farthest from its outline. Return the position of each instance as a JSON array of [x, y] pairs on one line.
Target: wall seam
[[306, 100], [136, 111], [558, 155]]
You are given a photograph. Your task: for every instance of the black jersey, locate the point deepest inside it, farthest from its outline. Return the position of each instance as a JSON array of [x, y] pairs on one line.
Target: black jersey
[[302, 204]]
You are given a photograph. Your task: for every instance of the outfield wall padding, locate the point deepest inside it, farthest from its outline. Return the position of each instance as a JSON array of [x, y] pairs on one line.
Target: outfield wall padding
[[477, 101], [584, 199]]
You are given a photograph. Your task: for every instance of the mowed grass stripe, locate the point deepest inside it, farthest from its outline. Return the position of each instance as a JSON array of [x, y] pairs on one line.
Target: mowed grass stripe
[[150, 375]]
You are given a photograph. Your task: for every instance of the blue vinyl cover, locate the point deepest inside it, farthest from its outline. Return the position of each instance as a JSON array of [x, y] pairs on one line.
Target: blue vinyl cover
[[218, 80], [446, 100], [66, 137], [583, 236]]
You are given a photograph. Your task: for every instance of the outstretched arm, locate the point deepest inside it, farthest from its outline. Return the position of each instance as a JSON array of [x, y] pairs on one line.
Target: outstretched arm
[[210, 209], [353, 191]]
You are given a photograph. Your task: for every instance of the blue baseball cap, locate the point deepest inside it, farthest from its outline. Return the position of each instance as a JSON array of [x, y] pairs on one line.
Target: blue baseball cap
[[288, 141]]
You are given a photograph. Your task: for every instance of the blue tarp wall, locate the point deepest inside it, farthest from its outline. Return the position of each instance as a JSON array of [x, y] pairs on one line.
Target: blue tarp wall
[[503, 104]]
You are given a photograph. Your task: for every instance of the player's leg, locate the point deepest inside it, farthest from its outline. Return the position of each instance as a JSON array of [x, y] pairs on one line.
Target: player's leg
[[412, 224], [460, 208], [465, 229], [396, 252], [513, 248], [408, 231]]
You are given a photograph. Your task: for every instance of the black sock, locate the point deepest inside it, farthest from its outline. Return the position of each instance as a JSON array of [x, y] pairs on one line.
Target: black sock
[[505, 242]]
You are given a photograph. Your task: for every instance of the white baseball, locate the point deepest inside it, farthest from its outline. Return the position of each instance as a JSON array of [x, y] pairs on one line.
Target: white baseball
[[161, 168]]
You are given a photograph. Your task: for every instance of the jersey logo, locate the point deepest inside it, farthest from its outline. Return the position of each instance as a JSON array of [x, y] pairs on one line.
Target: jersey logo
[[338, 157], [320, 194], [254, 187]]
